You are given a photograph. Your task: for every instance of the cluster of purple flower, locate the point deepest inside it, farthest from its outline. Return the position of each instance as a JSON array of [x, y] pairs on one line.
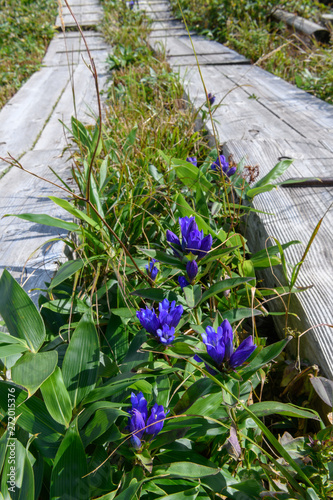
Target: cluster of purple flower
[[139, 422], [220, 348], [193, 240], [211, 98], [193, 160], [221, 164], [163, 326], [151, 269]]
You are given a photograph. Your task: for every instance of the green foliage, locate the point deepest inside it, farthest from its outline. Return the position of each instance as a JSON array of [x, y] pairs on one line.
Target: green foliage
[[85, 351], [26, 28], [249, 28]]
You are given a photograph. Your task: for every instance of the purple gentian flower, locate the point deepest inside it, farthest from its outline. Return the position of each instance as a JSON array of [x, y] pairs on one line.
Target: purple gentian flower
[[136, 423], [163, 326], [193, 240], [131, 4], [157, 413], [192, 269], [219, 346], [183, 282], [221, 162], [211, 98], [138, 419], [166, 334], [139, 403], [193, 160], [152, 270]]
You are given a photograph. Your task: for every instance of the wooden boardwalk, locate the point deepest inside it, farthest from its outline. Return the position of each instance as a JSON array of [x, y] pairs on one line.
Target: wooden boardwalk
[[264, 118], [30, 130], [261, 117]]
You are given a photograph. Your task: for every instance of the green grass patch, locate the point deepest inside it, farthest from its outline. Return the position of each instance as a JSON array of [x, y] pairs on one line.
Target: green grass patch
[[26, 28], [249, 28]]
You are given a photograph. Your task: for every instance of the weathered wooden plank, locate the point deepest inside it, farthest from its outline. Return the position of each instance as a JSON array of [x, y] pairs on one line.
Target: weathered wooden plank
[[164, 25], [296, 213], [79, 3], [84, 109], [74, 57], [238, 117], [161, 16], [25, 250], [302, 25], [161, 34], [85, 20], [182, 47], [61, 43], [82, 9], [32, 105], [304, 112], [277, 119], [209, 60]]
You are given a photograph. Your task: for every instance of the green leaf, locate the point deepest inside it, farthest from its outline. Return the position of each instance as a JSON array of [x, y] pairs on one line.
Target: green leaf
[[32, 369], [5, 338], [251, 193], [32, 414], [192, 295], [163, 257], [81, 361], [206, 405], [265, 356], [118, 384], [100, 423], [20, 313], [47, 220], [221, 286], [3, 447], [74, 211], [200, 388], [124, 312], [130, 139], [80, 132], [235, 315], [70, 465], [267, 256], [311, 494], [66, 271], [156, 175], [11, 349], [130, 491], [56, 398], [218, 254], [324, 389], [275, 407], [185, 470], [190, 494], [190, 175], [181, 348], [276, 172], [22, 487]]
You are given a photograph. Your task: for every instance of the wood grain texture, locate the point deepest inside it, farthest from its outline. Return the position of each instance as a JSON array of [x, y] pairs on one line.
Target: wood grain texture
[[26, 251], [296, 214], [263, 118], [24, 116], [74, 46], [30, 123], [302, 25], [85, 109]]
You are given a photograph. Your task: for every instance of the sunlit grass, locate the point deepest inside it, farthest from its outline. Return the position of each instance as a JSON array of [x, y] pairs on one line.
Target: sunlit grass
[[249, 28], [26, 28]]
